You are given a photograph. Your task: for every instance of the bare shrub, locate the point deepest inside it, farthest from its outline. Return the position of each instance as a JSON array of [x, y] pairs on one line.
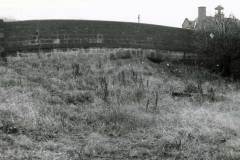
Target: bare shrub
[[9, 122], [115, 121], [191, 88], [156, 100], [122, 54], [54, 100], [131, 77], [9, 83], [75, 70], [211, 94], [155, 57], [78, 97], [122, 78], [103, 91], [152, 101], [134, 75], [99, 64], [140, 94], [89, 83]]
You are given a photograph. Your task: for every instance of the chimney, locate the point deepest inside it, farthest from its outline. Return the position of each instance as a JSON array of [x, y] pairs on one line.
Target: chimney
[[201, 13]]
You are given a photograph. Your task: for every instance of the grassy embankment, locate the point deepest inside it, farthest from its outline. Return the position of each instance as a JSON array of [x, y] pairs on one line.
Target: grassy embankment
[[102, 106]]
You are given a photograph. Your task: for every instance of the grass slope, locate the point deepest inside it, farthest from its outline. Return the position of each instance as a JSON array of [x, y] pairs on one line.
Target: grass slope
[[83, 105]]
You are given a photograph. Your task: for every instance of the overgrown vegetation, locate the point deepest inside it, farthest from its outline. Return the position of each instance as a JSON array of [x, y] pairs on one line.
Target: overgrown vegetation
[[86, 105], [219, 41]]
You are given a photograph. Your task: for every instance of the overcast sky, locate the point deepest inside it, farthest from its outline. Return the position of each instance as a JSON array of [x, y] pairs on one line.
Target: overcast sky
[[162, 12]]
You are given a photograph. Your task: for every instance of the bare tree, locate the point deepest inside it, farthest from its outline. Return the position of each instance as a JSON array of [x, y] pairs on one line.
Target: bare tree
[[219, 42]]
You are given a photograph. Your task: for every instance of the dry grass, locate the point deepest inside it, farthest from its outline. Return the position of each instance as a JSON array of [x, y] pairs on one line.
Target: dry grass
[[99, 105]]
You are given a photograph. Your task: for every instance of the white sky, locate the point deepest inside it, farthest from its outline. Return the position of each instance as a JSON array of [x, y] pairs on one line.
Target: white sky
[[162, 12]]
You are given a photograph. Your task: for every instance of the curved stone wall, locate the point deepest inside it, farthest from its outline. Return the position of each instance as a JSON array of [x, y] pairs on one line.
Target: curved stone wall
[[48, 34]]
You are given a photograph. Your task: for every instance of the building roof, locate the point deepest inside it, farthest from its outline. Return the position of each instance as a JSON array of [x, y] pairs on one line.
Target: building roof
[[219, 7], [208, 22], [188, 24]]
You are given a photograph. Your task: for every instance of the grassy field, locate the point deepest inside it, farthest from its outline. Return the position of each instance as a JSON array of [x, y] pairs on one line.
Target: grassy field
[[115, 105]]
